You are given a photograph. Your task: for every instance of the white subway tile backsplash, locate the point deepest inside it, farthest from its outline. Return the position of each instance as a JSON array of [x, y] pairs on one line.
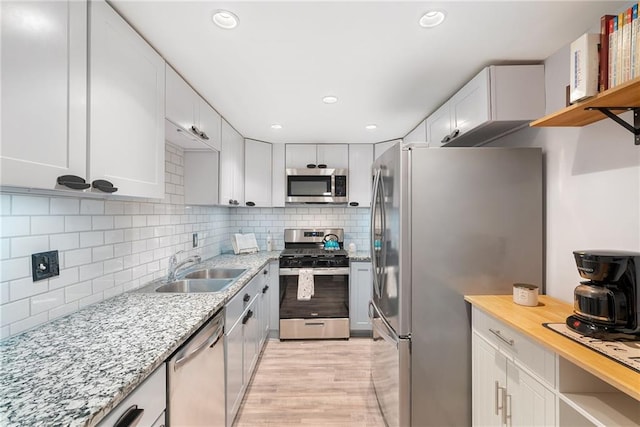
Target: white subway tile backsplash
[[65, 206], [47, 224], [91, 238], [78, 291], [122, 249], [25, 246], [91, 299], [77, 257], [123, 221], [5, 248], [15, 268], [77, 223], [28, 323], [29, 205], [103, 222], [11, 226], [14, 311], [68, 276], [102, 283], [47, 301], [5, 204], [132, 208], [91, 207], [103, 252], [63, 310], [91, 271], [63, 242], [113, 265], [4, 292], [113, 207], [114, 236], [122, 277]]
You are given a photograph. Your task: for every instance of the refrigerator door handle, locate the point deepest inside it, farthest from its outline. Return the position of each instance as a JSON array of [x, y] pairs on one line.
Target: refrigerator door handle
[[382, 327], [374, 200]]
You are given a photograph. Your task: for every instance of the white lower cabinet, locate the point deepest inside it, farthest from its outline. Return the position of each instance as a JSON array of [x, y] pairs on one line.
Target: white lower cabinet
[[244, 337], [505, 395], [360, 279], [146, 403]]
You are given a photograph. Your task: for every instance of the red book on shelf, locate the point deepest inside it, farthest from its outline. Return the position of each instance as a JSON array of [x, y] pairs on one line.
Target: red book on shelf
[[603, 71]]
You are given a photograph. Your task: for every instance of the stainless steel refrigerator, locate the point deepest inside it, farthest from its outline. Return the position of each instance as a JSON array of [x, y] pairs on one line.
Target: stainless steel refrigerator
[[445, 222]]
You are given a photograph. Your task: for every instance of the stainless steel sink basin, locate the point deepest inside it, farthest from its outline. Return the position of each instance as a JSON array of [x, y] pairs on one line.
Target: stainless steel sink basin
[[192, 286], [216, 273]]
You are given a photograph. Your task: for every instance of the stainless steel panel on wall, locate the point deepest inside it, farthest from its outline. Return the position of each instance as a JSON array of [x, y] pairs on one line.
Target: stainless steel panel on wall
[[476, 229]]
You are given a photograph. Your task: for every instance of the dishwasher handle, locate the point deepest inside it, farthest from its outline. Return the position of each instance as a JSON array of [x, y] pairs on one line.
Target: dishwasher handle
[[212, 339]]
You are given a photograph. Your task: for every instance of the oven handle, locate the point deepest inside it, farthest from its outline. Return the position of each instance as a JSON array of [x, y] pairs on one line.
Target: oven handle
[[339, 271]]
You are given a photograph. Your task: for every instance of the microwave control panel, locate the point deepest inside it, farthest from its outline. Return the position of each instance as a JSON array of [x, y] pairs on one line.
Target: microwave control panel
[[341, 186]]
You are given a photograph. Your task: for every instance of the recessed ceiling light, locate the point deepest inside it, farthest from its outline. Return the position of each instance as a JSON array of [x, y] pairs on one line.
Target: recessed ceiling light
[[330, 99], [431, 19], [276, 126], [225, 19], [371, 127]]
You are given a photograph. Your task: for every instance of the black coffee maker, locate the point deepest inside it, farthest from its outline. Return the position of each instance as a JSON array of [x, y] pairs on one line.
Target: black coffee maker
[[607, 305]]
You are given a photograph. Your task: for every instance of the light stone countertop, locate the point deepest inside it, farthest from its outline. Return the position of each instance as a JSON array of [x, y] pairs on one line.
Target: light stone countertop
[[74, 370]]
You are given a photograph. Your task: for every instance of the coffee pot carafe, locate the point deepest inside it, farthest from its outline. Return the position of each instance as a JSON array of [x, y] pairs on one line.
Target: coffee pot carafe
[[606, 305]]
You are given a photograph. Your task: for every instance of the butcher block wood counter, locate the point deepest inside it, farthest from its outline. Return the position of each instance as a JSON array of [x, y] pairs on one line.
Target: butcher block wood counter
[[529, 320]]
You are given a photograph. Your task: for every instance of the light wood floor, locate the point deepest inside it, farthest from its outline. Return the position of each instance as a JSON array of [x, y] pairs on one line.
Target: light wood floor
[[312, 383]]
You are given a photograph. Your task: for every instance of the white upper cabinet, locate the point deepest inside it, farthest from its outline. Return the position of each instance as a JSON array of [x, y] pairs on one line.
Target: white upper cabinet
[[231, 166], [257, 173], [380, 147], [127, 106], [44, 93], [278, 177], [201, 177], [195, 124], [334, 156], [417, 135], [360, 161], [498, 100]]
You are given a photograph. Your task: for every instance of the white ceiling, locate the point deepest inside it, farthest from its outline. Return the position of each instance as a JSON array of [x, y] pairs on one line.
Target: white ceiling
[[276, 66]]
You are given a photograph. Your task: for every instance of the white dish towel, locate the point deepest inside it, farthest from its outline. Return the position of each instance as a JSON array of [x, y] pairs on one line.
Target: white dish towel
[[305, 284]]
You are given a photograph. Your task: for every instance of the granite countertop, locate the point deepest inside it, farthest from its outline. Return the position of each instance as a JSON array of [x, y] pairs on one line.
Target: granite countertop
[[74, 370]]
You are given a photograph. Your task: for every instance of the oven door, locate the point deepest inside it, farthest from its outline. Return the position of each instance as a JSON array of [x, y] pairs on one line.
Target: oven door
[[325, 315]]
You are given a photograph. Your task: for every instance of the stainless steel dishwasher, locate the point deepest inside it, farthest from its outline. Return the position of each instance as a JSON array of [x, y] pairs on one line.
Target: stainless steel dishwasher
[[196, 379]]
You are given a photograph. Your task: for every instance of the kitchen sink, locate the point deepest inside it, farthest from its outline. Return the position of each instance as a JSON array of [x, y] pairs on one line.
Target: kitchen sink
[[216, 273], [196, 285]]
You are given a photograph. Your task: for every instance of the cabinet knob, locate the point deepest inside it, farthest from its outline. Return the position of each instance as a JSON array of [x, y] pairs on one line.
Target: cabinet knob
[[250, 204], [104, 186], [74, 182], [354, 204], [311, 166], [322, 166], [246, 297], [265, 289], [230, 201], [265, 271], [235, 202]]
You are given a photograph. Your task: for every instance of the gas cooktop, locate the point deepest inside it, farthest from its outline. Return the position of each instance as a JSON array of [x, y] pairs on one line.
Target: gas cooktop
[[625, 352]]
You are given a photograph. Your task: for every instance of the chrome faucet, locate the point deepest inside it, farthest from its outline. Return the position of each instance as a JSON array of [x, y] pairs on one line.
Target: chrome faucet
[[174, 265]]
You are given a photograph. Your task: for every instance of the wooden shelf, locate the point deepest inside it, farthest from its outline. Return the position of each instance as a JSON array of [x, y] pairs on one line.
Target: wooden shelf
[[624, 95]]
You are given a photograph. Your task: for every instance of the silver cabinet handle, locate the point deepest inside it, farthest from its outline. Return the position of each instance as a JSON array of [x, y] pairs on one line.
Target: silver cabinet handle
[[497, 398], [499, 335], [455, 133], [313, 323], [507, 413]]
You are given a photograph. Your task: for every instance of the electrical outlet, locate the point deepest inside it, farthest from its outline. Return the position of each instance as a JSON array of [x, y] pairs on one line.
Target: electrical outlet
[[44, 265], [195, 240]]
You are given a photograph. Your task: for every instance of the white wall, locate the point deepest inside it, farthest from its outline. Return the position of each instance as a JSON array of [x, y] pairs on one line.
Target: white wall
[[592, 184]]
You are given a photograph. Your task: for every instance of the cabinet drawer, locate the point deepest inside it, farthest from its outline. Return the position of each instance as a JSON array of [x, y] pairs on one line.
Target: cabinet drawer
[[149, 396], [515, 346], [237, 304]]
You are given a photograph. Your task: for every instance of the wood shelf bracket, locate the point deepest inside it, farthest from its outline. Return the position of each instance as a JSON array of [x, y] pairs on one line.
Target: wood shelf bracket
[[635, 129]]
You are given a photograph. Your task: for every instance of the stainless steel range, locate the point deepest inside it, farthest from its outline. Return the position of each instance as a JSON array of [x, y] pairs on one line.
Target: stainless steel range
[[314, 285]]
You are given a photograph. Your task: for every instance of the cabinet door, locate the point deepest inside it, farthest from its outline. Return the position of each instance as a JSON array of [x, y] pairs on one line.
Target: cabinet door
[[381, 147], [489, 383], [209, 122], [127, 106], [234, 370], [360, 280], [231, 166], [180, 100], [360, 161], [278, 177], [334, 156], [274, 291], [257, 177], [439, 126], [528, 401], [201, 177], [251, 339], [300, 155], [419, 134], [470, 106], [44, 92]]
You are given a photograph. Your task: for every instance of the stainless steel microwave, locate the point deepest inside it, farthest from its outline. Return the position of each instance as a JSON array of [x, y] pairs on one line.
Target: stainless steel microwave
[[316, 185]]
